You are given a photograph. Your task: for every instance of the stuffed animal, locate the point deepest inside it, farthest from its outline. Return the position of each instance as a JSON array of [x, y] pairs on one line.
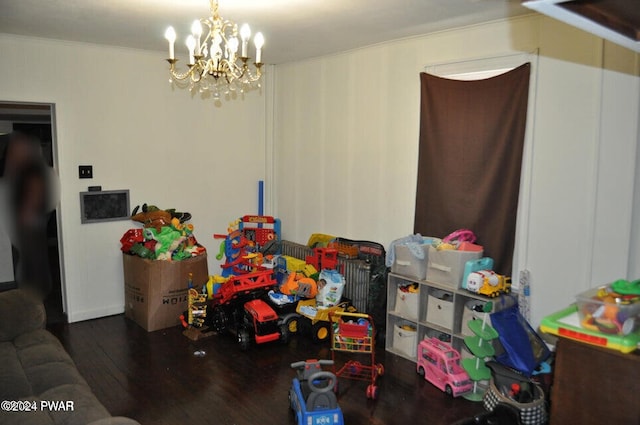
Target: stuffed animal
[[155, 219], [152, 216], [168, 240]]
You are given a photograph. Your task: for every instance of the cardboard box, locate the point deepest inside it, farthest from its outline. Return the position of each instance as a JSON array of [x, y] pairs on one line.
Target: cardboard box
[[447, 266], [440, 308], [155, 292]]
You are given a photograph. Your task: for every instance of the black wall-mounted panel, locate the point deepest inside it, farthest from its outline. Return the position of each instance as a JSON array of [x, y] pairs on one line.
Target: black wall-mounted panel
[[108, 205]]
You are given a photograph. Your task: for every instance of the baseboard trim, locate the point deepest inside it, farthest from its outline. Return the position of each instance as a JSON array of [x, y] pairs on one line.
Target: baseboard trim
[[79, 316], [5, 286]]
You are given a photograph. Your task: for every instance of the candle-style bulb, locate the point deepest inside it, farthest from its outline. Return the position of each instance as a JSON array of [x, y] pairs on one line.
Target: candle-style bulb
[[191, 42], [258, 40], [245, 35], [170, 35], [196, 28], [245, 32], [191, 45], [233, 44]]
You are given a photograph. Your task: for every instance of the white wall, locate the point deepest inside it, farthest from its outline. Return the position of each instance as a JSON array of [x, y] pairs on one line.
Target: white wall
[[116, 110], [342, 148], [346, 142], [584, 165]]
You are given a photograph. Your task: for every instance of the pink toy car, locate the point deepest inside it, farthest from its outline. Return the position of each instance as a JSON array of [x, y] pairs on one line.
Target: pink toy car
[[439, 363]]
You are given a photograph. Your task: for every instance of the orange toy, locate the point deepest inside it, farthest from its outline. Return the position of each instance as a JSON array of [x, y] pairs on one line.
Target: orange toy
[[298, 284]]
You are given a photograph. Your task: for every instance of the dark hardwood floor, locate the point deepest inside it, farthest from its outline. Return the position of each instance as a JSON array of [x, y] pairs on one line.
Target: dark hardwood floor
[[156, 379]]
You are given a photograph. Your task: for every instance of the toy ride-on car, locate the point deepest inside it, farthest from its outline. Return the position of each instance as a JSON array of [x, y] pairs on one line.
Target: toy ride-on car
[[311, 396], [317, 319]]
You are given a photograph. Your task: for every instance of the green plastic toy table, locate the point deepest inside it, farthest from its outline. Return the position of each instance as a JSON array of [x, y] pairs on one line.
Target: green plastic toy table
[[566, 323]]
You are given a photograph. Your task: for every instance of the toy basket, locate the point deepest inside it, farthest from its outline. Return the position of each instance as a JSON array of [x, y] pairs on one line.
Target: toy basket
[[355, 333], [534, 413]]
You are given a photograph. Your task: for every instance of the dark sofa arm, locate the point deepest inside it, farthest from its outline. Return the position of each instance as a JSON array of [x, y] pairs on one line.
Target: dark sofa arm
[[20, 312]]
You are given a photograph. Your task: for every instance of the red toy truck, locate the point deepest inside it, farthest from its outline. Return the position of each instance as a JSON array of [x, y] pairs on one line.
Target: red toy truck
[[439, 363], [239, 309]]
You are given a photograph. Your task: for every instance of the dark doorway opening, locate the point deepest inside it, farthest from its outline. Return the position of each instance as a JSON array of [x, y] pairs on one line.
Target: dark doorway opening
[[37, 120]]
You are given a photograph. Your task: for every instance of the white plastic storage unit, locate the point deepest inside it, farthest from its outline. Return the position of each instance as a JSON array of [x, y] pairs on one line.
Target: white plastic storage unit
[[440, 313]]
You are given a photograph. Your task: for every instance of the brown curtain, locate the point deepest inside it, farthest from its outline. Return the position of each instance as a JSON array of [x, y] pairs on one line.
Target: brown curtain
[[471, 142]]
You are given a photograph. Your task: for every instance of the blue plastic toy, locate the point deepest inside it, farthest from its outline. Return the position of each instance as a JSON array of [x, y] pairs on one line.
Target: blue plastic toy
[[484, 263], [312, 397]]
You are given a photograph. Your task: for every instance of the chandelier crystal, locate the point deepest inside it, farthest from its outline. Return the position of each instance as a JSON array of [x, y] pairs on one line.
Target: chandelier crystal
[[215, 65]]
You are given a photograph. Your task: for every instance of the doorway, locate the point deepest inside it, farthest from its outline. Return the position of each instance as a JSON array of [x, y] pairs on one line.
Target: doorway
[[37, 120]]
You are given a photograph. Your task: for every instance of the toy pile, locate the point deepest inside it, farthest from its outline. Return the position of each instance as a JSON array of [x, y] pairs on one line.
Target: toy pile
[[262, 296], [249, 247], [246, 247], [165, 235], [460, 240]]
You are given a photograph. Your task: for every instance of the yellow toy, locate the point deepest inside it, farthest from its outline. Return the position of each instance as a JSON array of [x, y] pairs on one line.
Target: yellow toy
[[213, 284], [256, 259], [309, 271], [319, 240]]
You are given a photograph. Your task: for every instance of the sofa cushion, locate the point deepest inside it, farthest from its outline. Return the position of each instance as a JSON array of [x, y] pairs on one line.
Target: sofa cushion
[[21, 312], [86, 407], [40, 347], [63, 405], [14, 383], [48, 376], [35, 367], [36, 337], [34, 417]]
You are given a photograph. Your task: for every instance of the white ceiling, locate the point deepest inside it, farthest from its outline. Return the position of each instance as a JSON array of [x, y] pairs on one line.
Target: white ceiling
[[294, 29]]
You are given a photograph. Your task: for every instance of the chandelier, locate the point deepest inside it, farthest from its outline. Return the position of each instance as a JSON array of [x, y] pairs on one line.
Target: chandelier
[[215, 65]]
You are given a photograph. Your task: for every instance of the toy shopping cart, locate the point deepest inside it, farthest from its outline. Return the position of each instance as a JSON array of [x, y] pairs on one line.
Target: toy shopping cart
[[355, 333]]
